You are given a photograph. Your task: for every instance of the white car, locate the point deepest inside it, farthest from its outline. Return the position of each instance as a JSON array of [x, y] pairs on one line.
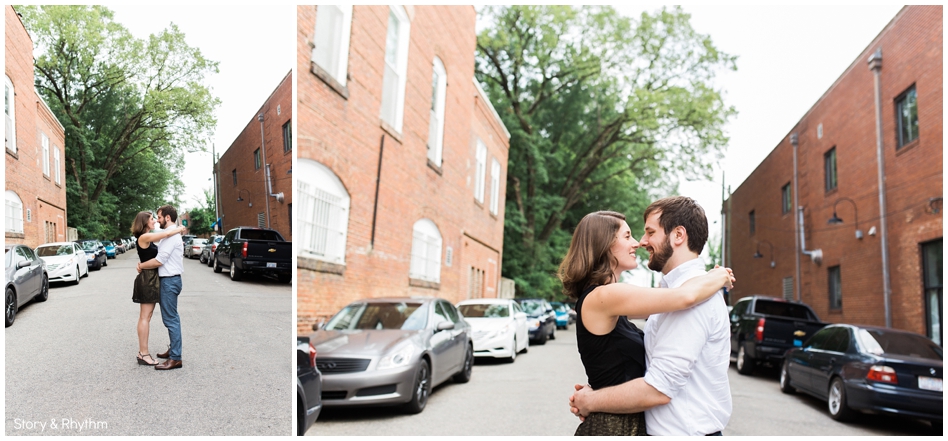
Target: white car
[[194, 248], [65, 261], [499, 326]]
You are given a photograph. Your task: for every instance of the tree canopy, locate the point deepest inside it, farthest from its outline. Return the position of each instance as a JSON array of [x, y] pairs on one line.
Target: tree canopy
[[131, 109], [605, 112]]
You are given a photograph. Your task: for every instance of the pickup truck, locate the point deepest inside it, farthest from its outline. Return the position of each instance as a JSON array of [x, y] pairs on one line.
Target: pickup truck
[[763, 329], [254, 250]]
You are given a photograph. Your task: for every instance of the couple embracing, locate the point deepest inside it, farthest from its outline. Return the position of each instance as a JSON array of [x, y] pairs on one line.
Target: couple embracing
[[670, 379], [159, 281]]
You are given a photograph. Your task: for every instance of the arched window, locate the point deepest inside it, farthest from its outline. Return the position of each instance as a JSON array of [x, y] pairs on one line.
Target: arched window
[[13, 215], [426, 251], [323, 212], [439, 84], [9, 110]]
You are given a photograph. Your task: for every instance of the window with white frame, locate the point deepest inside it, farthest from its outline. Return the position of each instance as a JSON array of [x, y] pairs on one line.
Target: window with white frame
[[396, 68], [13, 214], [479, 172], [426, 251], [439, 84], [56, 163], [9, 110], [331, 40], [323, 212], [45, 153], [494, 186]]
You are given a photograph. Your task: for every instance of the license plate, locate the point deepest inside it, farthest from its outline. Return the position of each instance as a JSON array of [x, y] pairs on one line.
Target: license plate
[[271, 265], [797, 342], [929, 383]]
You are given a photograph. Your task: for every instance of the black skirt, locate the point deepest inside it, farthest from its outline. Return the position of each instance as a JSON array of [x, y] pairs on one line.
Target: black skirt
[[612, 424], [147, 288]]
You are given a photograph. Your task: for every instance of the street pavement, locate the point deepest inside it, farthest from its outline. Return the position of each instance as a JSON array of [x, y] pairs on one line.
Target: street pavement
[[70, 362], [530, 398]]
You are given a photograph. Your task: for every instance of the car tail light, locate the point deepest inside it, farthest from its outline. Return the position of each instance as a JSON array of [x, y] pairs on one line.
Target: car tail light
[[214, 248], [759, 334], [882, 374], [312, 356], [244, 252]]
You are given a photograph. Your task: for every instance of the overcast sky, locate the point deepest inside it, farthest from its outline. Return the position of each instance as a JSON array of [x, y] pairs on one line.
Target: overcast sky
[[256, 47]]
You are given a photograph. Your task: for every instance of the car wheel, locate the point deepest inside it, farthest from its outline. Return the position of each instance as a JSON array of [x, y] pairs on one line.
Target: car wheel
[[745, 364], [541, 340], [78, 275], [513, 351], [217, 266], [284, 278], [464, 375], [300, 417], [785, 386], [106, 261], [44, 290], [201, 258], [421, 390], [235, 273], [836, 402], [11, 306]]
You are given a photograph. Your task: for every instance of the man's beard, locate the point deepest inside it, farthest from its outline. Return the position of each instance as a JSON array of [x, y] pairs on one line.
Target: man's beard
[[660, 256], [163, 224]]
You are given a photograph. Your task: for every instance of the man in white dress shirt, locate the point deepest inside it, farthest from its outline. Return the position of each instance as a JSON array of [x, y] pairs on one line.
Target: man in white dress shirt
[[170, 267], [685, 390]]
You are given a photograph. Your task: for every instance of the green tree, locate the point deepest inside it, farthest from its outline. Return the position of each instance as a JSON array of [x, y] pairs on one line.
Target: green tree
[[203, 215], [604, 113], [131, 109]]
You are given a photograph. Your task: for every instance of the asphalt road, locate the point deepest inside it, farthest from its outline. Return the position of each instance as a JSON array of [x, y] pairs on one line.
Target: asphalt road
[[530, 397], [71, 370]]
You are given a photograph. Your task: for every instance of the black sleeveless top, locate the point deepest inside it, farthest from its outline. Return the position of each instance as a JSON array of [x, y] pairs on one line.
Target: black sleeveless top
[[146, 254], [610, 359]]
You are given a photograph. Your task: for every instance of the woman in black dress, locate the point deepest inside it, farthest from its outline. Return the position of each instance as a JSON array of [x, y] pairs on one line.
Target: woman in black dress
[[146, 291], [611, 348]]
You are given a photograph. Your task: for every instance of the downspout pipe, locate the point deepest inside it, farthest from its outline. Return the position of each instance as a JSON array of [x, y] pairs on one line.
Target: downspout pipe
[[797, 226], [875, 65], [267, 183]]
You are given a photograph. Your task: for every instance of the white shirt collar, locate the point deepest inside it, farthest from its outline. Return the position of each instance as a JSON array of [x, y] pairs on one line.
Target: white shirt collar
[[672, 277]]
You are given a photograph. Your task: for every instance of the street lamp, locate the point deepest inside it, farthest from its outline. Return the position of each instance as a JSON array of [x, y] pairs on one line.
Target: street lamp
[[836, 220], [757, 255], [240, 199]]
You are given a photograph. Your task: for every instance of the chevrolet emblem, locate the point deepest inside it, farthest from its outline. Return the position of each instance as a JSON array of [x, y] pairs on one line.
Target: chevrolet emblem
[[272, 250], [799, 333]]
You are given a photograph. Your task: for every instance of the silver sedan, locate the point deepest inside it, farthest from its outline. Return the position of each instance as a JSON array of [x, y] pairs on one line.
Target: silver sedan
[[392, 351]]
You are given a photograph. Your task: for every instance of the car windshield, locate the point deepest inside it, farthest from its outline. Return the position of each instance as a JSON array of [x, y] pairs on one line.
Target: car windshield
[[532, 307], [409, 316], [89, 246], [559, 307], [880, 341], [54, 250], [484, 310]]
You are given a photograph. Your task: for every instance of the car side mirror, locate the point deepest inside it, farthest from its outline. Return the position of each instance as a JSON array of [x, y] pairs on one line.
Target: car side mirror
[[22, 264], [319, 325], [444, 326], [520, 315]]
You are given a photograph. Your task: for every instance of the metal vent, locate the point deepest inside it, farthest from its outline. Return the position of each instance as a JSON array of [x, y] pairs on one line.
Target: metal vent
[[788, 288]]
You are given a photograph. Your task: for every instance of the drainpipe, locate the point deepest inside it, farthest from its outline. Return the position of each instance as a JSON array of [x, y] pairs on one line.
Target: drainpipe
[[266, 183], [875, 65], [794, 140]]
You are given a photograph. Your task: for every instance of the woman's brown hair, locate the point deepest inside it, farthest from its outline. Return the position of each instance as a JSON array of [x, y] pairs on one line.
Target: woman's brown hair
[[140, 224], [588, 261]]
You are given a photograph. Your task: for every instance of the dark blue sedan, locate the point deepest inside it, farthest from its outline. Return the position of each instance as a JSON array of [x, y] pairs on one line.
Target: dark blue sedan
[[868, 369]]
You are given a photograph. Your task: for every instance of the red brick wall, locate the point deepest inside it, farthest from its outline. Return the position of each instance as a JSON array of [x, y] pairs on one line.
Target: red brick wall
[[912, 54], [344, 134], [45, 200], [251, 182]]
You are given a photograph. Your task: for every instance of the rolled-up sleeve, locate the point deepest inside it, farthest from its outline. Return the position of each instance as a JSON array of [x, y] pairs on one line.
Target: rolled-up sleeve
[[165, 248], [679, 343]]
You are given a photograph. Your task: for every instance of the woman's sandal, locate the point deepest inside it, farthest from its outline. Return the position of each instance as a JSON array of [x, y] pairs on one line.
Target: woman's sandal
[[141, 360]]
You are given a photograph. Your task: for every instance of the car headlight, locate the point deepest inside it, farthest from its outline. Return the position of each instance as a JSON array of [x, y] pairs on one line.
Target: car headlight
[[501, 331], [535, 323], [399, 358]]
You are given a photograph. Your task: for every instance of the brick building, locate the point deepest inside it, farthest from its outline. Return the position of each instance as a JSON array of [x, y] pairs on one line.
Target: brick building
[[838, 179], [402, 160], [35, 208], [242, 177]]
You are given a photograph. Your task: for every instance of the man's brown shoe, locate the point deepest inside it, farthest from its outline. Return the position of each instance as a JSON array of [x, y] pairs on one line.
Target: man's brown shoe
[[168, 365], [165, 354]]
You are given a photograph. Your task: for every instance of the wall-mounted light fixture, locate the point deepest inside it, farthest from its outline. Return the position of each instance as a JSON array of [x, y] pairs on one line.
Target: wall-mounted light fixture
[[836, 219], [240, 199], [773, 259]]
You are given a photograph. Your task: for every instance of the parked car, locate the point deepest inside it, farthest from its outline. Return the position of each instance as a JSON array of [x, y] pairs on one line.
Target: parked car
[[119, 246], [26, 279], [254, 250], [209, 248], [764, 328], [541, 318], [869, 369], [498, 327], [392, 351], [563, 316], [110, 252], [194, 248], [95, 253], [308, 386], [65, 261]]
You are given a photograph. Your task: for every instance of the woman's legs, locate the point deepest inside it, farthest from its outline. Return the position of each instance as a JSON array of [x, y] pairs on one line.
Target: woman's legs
[[144, 323]]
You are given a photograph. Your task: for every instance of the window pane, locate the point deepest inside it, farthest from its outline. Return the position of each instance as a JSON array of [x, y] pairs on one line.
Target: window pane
[[327, 39], [908, 117], [829, 161], [835, 288]]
